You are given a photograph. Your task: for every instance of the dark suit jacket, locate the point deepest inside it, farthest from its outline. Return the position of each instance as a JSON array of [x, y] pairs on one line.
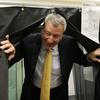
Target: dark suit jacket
[[29, 49]]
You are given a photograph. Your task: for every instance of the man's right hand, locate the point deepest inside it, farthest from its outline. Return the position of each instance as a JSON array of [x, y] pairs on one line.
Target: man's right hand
[[8, 48]]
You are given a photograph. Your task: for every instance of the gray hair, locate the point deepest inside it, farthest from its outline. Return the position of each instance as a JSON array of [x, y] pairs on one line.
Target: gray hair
[[56, 19]]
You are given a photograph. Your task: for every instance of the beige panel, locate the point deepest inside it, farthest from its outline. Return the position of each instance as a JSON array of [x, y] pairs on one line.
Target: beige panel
[[55, 1], [43, 2], [58, 0]]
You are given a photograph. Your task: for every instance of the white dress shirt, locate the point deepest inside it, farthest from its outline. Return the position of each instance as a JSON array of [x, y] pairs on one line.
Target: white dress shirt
[[56, 71]]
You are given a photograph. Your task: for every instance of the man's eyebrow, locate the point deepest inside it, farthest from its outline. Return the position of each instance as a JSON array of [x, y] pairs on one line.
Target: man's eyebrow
[[47, 31]]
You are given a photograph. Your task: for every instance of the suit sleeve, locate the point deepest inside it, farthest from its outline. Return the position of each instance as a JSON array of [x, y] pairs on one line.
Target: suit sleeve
[[79, 56], [19, 54]]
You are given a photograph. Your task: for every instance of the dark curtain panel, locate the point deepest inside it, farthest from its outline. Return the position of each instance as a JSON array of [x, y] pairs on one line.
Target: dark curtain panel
[[3, 76], [12, 21]]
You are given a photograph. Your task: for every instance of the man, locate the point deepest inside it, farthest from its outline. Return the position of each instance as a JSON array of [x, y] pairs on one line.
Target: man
[[65, 52]]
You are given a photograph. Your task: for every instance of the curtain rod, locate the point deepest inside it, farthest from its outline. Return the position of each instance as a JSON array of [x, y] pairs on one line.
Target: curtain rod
[[39, 5]]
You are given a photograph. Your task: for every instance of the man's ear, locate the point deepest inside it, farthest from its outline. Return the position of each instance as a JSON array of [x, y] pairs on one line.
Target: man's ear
[[43, 24]]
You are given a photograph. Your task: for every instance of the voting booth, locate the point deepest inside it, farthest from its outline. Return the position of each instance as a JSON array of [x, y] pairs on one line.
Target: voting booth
[[19, 19]]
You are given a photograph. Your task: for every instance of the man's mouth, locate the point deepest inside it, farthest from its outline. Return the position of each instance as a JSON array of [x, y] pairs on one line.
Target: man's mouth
[[50, 46]]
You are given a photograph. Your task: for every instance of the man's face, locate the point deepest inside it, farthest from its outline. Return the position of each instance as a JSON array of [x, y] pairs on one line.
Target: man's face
[[52, 35]]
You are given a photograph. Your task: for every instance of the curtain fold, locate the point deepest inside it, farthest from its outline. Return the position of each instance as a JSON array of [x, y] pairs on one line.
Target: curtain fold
[[3, 76]]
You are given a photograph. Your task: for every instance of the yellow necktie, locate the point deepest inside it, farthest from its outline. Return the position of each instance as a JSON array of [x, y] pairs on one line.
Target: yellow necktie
[[46, 78]]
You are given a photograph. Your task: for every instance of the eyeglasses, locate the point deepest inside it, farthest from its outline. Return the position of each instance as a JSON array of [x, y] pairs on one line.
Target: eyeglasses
[[56, 36], [46, 32]]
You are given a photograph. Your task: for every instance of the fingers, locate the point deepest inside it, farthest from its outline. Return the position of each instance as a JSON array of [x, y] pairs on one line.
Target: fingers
[[7, 37], [5, 44], [93, 56], [96, 59], [10, 57], [9, 50], [8, 47], [97, 52]]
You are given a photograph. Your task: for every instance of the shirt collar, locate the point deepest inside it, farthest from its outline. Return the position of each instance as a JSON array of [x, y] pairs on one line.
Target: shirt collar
[[55, 48]]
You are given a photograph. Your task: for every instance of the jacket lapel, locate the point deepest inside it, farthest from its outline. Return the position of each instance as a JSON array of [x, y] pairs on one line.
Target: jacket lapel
[[35, 53], [61, 56], [64, 55]]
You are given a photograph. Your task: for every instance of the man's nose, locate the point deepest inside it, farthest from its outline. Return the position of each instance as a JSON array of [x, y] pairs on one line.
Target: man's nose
[[50, 39]]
